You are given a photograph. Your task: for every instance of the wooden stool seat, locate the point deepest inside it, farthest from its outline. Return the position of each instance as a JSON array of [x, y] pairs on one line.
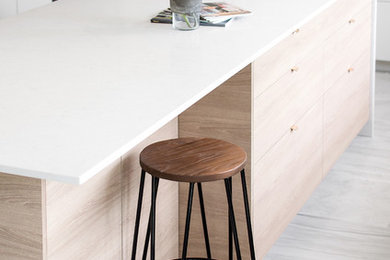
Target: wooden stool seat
[[193, 159]]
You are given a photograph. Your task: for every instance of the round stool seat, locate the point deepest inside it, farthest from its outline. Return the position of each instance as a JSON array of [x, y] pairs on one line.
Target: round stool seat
[[193, 160]]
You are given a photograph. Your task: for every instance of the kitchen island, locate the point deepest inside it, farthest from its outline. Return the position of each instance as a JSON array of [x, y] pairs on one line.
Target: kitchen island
[[86, 84]]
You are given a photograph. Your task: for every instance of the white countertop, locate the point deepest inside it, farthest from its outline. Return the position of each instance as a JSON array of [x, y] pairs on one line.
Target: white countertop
[[84, 81]]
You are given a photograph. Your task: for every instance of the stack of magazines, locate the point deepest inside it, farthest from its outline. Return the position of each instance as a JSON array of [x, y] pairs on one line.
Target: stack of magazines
[[213, 14]]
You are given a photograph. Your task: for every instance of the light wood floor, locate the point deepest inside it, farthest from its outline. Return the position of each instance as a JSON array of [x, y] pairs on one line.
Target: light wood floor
[[348, 216]]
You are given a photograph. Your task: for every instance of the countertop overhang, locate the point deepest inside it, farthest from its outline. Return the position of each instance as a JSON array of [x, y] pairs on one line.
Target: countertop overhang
[[84, 81]]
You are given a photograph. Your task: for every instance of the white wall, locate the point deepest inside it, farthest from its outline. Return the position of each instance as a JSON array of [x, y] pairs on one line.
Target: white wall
[[8, 8], [25, 5], [13, 7], [383, 31]]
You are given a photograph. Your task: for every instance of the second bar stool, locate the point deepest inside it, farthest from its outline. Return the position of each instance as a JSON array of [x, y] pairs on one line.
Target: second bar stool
[[193, 160]]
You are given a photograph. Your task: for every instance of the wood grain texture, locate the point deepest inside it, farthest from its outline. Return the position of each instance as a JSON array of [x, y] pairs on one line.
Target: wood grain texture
[[96, 220], [278, 61], [281, 105], [339, 14], [348, 216], [285, 177], [51, 220], [346, 110], [167, 222], [84, 222], [193, 159], [21, 226], [223, 114], [347, 44]]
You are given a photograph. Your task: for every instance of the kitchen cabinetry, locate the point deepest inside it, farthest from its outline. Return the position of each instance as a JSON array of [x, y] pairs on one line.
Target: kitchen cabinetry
[[310, 96], [293, 92]]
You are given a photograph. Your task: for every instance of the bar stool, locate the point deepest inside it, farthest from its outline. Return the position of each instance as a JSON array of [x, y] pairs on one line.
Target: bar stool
[[193, 160]]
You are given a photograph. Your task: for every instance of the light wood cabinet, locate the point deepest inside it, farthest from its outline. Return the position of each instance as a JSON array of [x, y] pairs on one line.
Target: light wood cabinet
[[57, 221], [341, 13], [285, 176], [309, 98], [294, 110], [347, 44], [346, 110], [347, 76], [21, 221], [225, 113], [285, 101], [287, 54]]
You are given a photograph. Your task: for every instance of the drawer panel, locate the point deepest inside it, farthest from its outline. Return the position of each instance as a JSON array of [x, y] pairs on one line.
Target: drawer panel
[[340, 13], [280, 106], [277, 62], [346, 110], [272, 65], [346, 46], [285, 178]]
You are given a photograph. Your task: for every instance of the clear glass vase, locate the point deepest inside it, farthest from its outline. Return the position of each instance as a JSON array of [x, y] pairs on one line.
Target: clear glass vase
[[185, 22]]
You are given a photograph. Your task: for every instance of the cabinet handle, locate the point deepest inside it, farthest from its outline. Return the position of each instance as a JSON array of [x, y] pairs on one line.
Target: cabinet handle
[[294, 128], [296, 31], [350, 70], [294, 69], [351, 21]]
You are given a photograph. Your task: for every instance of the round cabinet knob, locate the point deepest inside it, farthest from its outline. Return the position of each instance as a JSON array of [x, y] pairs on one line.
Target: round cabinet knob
[[294, 128], [296, 31], [294, 69], [351, 21], [350, 70]]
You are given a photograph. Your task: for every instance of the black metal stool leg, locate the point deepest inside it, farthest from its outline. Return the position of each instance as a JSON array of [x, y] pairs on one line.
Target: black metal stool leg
[[204, 222], [188, 218], [232, 218], [230, 226], [147, 237], [248, 215], [138, 214], [153, 220]]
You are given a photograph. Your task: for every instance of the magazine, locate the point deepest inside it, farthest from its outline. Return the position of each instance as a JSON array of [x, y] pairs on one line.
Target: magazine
[[222, 9], [165, 16], [212, 14]]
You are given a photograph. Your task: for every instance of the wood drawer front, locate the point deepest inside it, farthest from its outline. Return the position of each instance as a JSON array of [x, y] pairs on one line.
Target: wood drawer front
[[278, 61], [285, 178], [275, 63], [346, 46], [280, 106], [340, 13], [346, 106]]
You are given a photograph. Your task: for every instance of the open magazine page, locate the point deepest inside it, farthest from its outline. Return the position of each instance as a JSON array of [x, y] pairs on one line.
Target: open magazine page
[[218, 9], [213, 14]]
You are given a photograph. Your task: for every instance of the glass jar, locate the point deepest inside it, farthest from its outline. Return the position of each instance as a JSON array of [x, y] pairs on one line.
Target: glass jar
[[186, 14], [185, 22]]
